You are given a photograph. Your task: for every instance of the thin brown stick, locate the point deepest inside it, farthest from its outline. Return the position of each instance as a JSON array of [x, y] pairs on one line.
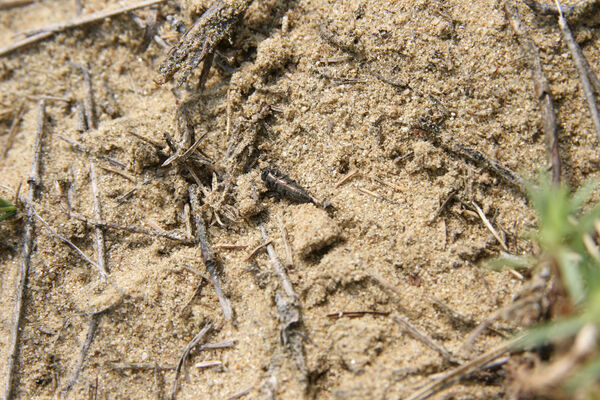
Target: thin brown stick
[[34, 181], [43, 33], [578, 57], [185, 355], [206, 252], [8, 4], [417, 334], [132, 229], [542, 87], [277, 266], [13, 130], [241, 393], [460, 371], [227, 246], [346, 178], [257, 249]]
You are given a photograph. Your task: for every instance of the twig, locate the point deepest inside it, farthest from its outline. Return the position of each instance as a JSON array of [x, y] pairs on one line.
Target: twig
[[5, 5], [13, 130], [417, 334], [461, 371], [185, 355], [257, 249], [206, 252], [444, 205], [88, 103], [43, 33], [277, 266], [502, 313], [542, 88], [208, 364], [34, 182], [241, 393], [226, 246], [125, 367], [98, 215], [581, 9], [489, 226], [346, 178], [84, 350], [289, 258], [132, 229], [578, 57], [353, 314]]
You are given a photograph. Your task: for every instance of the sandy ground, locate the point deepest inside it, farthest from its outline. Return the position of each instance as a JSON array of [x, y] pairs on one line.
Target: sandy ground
[[348, 84]]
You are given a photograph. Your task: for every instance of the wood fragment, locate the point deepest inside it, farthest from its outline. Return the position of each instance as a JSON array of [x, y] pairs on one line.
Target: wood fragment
[[81, 123], [8, 4], [227, 246], [422, 337], [461, 371], [378, 196], [354, 314], [208, 364], [119, 172], [84, 350], [489, 226], [277, 266], [240, 394], [346, 178], [578, 57], [100, 247], [89, 105], [578, 11], [255, 251], [206, 252], [47, 31], [34, 182], [289, 257], [185, 355], [542, 88]]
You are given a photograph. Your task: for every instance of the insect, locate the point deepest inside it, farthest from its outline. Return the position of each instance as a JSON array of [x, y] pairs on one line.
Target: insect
[[286, 187]]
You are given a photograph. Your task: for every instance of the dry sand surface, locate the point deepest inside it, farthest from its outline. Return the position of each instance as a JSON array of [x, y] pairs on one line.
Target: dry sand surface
[[317, 89]]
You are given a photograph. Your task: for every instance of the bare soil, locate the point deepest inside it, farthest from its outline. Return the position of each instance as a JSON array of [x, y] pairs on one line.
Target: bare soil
[[350, 84]]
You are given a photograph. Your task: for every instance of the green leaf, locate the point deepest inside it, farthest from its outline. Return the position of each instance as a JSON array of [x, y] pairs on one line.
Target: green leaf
[[550, 332], [7, 209]]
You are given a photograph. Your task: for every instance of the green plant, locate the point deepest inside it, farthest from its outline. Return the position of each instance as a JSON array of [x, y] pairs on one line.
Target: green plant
[[7, 209], [567, 239]]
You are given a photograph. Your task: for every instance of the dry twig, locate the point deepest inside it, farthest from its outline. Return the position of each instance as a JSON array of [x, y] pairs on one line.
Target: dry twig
[[186, 353], [98, 215], [13, 130], [461, 371], [578, 57], [542, 87], [207, 254], [417, 334], [8, 4], [43, 33], [34, 182]]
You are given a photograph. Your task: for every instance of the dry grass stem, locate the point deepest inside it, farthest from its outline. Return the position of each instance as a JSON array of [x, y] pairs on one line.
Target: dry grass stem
[[185, 354]]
